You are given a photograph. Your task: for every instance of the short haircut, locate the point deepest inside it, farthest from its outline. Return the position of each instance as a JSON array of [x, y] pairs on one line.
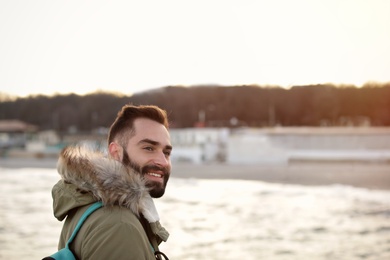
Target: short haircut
[[124, 122]]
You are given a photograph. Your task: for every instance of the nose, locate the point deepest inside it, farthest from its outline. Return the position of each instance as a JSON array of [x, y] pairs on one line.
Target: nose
[[162, 160]]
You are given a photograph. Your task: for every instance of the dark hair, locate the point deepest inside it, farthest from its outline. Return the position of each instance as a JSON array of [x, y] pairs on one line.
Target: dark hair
[[126, 116]]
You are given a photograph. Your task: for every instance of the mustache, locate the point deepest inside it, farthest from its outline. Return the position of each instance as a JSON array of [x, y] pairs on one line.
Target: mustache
[[148, 168]]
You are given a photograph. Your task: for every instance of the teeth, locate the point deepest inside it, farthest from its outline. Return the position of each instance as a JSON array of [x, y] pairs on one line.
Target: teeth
[[154, 174]]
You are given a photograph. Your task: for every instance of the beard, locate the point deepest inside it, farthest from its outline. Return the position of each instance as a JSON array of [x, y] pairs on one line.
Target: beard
[[156, 189]]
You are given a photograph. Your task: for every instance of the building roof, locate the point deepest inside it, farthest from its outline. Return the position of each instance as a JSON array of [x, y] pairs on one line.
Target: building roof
[[11, 126], [306, 130]]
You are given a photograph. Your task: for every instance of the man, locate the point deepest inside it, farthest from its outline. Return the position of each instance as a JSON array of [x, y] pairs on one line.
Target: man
[[138, 168]]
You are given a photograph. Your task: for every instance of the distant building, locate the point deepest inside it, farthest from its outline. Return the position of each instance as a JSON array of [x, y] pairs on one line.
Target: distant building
[[199, 145], [16, 126], [280, 145], [15, 133], [292, 144]]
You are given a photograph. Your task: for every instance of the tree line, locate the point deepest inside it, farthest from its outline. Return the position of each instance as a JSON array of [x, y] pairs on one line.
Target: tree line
[[212, 106]]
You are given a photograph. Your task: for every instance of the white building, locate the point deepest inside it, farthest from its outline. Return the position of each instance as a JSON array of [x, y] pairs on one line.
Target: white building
[[199, 144], [281, 145]]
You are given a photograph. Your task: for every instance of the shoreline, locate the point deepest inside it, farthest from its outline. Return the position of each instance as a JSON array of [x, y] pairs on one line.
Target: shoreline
[[362, 175], [356, 174]]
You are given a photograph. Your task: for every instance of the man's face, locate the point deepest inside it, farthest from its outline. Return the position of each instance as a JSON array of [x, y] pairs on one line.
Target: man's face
[[148, 152]]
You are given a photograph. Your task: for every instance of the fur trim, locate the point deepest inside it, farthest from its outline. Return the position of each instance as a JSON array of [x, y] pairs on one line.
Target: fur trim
[[107, 179]]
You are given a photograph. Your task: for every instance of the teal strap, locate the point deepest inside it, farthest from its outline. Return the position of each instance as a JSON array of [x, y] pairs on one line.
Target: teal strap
[[85, 215]]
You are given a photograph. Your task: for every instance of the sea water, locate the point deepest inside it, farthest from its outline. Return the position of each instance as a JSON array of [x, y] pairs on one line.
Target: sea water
[[218, 219]]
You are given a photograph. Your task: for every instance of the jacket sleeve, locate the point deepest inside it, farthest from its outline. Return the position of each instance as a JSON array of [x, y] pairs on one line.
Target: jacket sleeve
[[117, 241]]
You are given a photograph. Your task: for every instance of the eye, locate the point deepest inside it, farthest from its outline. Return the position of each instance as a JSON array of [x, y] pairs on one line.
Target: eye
[[148, 148], [167, 153]]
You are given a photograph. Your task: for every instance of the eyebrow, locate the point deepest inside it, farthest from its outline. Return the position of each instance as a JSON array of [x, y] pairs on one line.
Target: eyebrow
[[152, 142]]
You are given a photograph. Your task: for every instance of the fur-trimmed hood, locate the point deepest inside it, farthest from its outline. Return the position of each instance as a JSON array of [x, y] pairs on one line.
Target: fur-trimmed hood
[[89, 176]]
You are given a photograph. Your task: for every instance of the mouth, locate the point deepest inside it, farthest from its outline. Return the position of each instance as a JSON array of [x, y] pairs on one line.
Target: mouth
[[153, 174], [155, 177]]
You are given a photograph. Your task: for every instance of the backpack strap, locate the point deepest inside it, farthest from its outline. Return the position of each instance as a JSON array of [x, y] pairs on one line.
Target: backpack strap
[[85, 215]]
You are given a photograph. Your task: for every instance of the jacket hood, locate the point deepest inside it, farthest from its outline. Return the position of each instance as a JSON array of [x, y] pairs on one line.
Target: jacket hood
[[87, 176]]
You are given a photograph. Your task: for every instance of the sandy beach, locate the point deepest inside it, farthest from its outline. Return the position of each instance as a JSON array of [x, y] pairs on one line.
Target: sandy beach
[[357, 174], [372, 176]]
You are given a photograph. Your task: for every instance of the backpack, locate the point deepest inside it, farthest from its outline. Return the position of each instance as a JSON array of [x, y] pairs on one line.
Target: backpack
[[66, 253]]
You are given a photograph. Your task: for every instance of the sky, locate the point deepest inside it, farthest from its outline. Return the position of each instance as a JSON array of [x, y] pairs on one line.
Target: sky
[[80, 46]]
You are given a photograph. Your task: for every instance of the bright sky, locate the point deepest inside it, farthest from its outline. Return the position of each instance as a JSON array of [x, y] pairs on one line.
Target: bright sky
[[53, 46]]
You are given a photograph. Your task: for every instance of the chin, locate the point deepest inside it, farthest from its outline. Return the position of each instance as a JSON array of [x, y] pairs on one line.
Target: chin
[[156, 189], [157, 193]]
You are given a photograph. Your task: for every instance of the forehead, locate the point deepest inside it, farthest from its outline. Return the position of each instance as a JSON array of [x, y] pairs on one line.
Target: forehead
[[148, 129]]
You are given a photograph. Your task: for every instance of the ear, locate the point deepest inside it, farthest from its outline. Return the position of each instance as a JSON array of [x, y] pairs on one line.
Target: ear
[[115, 151]]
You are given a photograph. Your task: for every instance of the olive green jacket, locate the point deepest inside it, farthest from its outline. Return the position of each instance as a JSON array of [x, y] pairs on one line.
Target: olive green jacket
[[127, 227]]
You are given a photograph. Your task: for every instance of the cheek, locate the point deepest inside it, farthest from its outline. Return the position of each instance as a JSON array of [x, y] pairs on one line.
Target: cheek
[[138, 157]]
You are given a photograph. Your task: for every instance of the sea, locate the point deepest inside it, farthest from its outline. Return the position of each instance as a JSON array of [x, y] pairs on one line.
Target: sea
[[218, 219]]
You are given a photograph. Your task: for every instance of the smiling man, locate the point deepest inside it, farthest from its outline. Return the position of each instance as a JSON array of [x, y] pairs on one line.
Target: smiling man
[[144, 136], [136, 170]]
